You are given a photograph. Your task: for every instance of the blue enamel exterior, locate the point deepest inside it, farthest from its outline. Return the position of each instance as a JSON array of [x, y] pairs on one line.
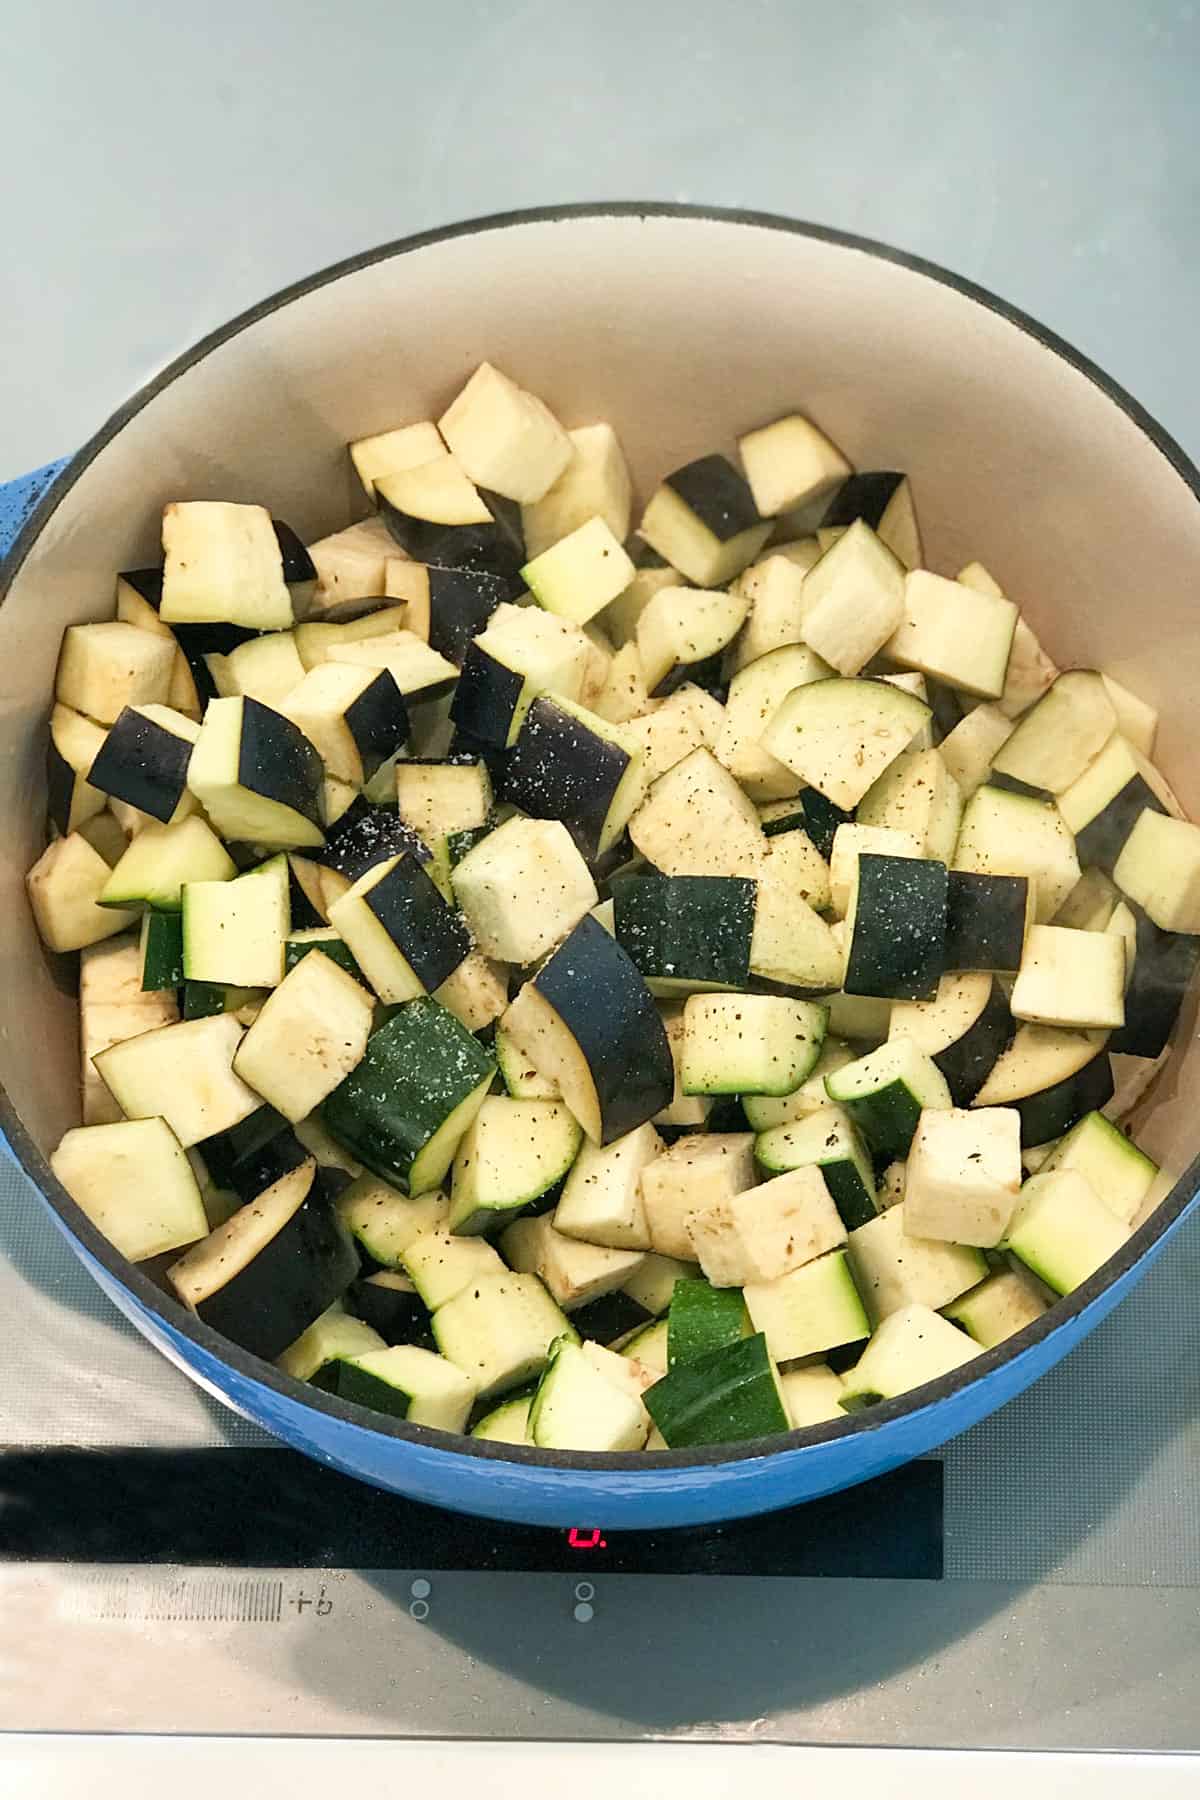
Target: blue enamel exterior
[[536, 1495]]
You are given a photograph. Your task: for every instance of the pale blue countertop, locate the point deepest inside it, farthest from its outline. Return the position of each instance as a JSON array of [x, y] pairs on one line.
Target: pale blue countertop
[[177, 164]]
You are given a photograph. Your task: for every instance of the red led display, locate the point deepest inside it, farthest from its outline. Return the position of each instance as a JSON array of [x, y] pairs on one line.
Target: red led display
[[586, 1540]]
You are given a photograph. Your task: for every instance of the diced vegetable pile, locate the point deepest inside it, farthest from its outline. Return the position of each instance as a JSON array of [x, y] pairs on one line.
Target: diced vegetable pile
[[600, 992]]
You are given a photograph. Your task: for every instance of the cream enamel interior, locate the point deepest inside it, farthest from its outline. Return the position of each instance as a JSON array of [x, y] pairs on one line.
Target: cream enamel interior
[[682, 330]]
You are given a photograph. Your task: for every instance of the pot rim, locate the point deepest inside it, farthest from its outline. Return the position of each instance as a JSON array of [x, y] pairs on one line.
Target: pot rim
[[176, 1318]]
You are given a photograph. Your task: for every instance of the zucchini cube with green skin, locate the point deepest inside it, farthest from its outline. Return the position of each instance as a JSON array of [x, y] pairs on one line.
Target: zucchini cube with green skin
[[689, 1177], [257, 776], [135, 1184], [161, 860], [223, 564], [438, 515], [67, 887], [404, 937], [589, 1025], [764, 1114], [494, 883], [894, 1268], [814, 1308], [573, 1272], [882, 499], [356, 717], [703, 1318], [523, 652], [206, 999], [840, 736], [335, 1336], [853, 600], [329, 942], [963, 1175], [998, 1308], [896, 928], [1159, 870], [406, 1107], [704, 522], [790, 463], [498, 1330], [915, 793], [648, 1347], [577, 1407], [682, 629], [1062, 1230], [686, 933], [161, 950], [106, 667], [725, 1397], [826, 1140], [441, 1266], [1118, 1172], [885, 1091], [184, 1074], [507, 1423], [408, 1383], [570, 764], [1052, 1077], [908, 1349], [601, 1200], [273, 1268], [514, 1152], [578, 576], [954, 634], [144, 761], [505, 437], [446, 607], [1072, 979], [749, 1043], [234, 931], [696, 820], [312, 1031], [1058, 737], [407, 447], [768, 1231], [71, 748], [594, 484], [384, 1222]]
